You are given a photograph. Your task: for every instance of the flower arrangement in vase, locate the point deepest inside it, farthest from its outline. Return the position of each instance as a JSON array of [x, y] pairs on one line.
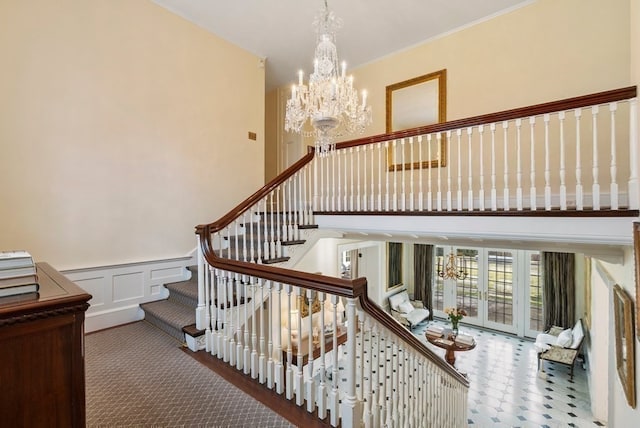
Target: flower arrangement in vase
[[455, 315]]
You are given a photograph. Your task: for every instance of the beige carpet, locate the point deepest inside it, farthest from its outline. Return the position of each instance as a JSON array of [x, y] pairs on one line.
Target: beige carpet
[[137, 376]]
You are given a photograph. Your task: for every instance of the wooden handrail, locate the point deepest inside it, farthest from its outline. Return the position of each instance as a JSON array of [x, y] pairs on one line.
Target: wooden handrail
[[534, 110], [228, 218]]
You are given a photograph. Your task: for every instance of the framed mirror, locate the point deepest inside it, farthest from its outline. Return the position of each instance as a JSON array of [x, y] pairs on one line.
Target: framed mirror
[[416, 102], [625, 341], [394, 264]]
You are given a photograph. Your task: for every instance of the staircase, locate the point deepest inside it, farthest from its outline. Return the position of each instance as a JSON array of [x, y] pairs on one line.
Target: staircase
[[178, 311]]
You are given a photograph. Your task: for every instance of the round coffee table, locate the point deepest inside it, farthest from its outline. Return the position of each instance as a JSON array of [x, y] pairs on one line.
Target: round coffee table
[[450, 346]]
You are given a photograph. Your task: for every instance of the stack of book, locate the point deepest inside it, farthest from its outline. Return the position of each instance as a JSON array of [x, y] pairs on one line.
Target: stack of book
[[17, 273]]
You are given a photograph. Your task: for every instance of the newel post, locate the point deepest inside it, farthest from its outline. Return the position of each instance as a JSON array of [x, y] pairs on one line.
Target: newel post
[[634, 196], [350, 410], [200, 310]]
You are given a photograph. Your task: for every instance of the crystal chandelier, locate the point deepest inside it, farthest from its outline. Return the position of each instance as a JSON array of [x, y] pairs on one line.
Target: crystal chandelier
[[451, 269], [329, 100]]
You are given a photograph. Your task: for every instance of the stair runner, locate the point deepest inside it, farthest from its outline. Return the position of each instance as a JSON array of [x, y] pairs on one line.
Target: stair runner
[[179, 310], [177, 314]]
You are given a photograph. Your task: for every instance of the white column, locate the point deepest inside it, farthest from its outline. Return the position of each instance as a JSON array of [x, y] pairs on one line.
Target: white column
[[201, 313]]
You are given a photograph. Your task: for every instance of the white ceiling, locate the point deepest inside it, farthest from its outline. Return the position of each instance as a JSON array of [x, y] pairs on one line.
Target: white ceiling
[[281, 30]]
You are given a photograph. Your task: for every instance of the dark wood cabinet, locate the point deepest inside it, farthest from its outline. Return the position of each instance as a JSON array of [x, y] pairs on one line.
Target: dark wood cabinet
[[42, 354]]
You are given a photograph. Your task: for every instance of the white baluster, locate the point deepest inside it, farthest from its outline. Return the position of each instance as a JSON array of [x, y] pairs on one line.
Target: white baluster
[[301, 203], [505, 167], [374, 376], [470, 171], [289, 371], [449, 202], [387, 171], [309, 381], [246, 352], [254, 333], [519, 204], [334, 187], [345, 205], [634, 189], [357, 172], [372, 200], [298, 381], [380, 173], [316, 184], [613, 107], [411, 195], [459, 156], [439, 170], [563, 186], [262, 360], [547, 167], [352, 180], [595, 188], [402, 177], [579, 196], [270, 366], [481, 159], [321, 399], [209, 307], [334, 394], [533, 197], [429, 180], [421, 164], [362, 204], [494, 195], [395, 180], [238, 351]]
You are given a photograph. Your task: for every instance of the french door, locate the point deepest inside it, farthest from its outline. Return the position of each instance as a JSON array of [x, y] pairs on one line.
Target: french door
[[499, 289]]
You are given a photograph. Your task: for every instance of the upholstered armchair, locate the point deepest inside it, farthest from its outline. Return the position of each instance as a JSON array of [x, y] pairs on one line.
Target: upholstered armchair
[[408, 312]]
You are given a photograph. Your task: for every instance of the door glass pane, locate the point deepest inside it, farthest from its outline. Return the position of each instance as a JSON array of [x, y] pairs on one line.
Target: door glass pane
[[535, 294], [500, 287], [467, 283], [438, 286]]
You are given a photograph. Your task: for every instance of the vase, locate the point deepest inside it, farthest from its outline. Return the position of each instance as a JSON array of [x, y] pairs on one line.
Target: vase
[[454, 327]]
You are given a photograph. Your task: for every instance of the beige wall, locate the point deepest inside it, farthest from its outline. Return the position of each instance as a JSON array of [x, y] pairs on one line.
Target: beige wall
[[545, 51], [271, 133], [122, 126]]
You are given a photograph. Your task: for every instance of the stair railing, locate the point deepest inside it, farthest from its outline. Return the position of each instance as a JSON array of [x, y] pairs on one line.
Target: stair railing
[[368, 368], [404, 171]]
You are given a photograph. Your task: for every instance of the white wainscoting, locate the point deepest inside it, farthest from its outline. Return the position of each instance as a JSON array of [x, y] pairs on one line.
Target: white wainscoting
[[119, 290]]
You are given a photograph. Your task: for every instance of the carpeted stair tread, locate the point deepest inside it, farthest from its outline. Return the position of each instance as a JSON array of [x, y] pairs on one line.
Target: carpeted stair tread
[[185, 292], [170, 316]]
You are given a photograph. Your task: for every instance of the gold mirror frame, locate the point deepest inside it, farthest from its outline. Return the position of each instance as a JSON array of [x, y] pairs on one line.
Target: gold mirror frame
[[625, 341], [417, 96], [636, 252]]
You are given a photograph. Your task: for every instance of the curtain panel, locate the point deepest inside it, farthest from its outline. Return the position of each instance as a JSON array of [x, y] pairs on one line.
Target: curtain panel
[[558, 282], [423, 275]]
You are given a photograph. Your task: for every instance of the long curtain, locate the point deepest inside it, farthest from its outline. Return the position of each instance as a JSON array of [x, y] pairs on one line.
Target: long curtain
[[423, 275], [558, 282]]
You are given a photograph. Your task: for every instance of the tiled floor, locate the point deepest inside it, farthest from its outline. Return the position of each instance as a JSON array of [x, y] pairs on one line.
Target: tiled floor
[[506, 390]]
